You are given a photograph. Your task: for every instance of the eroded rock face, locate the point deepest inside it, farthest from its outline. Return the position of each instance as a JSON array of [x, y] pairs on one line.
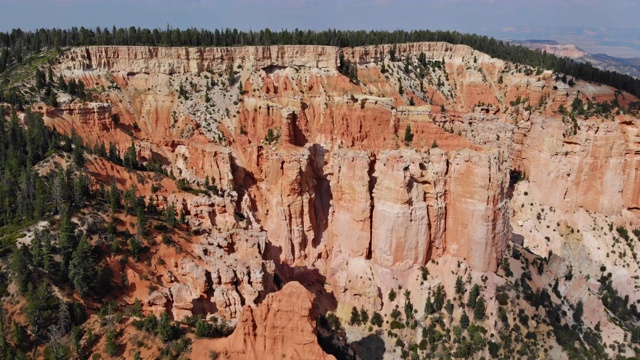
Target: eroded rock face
[[290, 219], [341, 191], [477, 213], [175, 60], [595, 169], [281, 327], [350, 215]]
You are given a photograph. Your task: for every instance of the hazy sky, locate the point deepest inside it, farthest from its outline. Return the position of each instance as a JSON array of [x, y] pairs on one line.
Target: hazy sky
[[518, 19]]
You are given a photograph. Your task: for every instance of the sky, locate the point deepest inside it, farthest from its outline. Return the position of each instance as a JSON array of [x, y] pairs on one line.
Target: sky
[[609, 26]]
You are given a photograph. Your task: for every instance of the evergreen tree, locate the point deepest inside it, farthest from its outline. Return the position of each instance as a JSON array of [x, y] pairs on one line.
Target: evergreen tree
[[82, 268], [355, 317], [578, 312], [479, 309], [46, 253], [114, 197], [464, 320], [67, 241], [428, 306], [166, 331], [80, 191], [41, 80], [460, 290], [41, 307], [111, 345], [60, 190], [376, 319], [41, 199], [21, 268], [114, 155], [62, 85], [131, 157], [5, 348], [100, 150], [203, 329], [408, 135], [135, 247], [438, 301], [473, 296], [77, 155], [36, 248], [19, 333], [170, 215], [364, 316]]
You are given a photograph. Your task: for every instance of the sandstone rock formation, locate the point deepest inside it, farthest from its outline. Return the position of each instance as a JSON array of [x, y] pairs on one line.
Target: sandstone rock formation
[[281, 327], [314, 173]]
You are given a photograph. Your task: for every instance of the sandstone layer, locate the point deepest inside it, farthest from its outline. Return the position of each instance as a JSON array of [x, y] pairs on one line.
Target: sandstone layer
[[281, 327]]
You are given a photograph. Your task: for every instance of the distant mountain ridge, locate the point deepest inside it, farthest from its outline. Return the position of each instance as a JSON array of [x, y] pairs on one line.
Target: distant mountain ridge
[[627, 66]]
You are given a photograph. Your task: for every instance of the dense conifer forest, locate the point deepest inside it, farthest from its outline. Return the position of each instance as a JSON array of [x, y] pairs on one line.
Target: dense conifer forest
[[17, 45], [44, 178]]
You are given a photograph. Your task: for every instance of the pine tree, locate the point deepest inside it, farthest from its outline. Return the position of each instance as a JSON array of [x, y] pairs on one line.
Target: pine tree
[[21, 268], [77, 154], [134, 247], [36, 248], [82, 268], [114, 155], [5, 348], [67, 240], [19, 333], [114, 197], [62, 85], [80, 191], [408, 135], [464, 320], [479, 309], [203, 329], [166, 331], [438, 301], [428, 306], [41, 198], [47, 257], [473, 296], [60, 190], [41, 80], [111, 345], [41, 307], [364, 316], [578, 312], [131, 157], [460, 286], [170, 215], [355, 317]]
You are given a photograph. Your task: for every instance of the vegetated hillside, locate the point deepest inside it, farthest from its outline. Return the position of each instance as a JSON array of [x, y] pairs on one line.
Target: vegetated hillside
[[627, 66], [411, 200]]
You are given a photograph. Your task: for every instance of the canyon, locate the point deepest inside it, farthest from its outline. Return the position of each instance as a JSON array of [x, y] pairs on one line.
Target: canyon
[[333, 192]]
